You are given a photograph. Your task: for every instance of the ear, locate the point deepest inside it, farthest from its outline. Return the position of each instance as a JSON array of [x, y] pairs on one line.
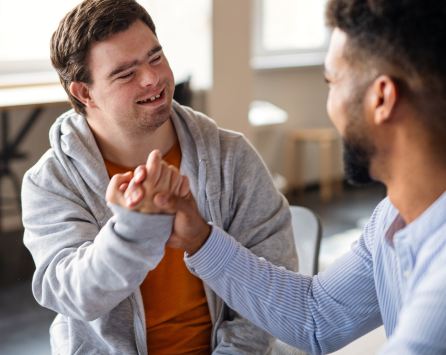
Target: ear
[[82, 92], [385, 95]]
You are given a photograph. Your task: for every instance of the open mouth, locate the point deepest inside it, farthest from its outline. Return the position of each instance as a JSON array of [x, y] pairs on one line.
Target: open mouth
[[152, 99]]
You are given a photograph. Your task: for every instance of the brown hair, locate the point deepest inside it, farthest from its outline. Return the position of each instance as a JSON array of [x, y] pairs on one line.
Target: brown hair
[[91, 20]]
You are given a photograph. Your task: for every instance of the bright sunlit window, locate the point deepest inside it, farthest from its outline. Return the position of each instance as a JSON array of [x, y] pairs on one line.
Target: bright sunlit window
[[26, 27], [289, 33], [183, 28]]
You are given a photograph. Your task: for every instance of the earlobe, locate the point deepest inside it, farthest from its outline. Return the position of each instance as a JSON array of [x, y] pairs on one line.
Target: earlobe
[[386, 91], [81, 92]]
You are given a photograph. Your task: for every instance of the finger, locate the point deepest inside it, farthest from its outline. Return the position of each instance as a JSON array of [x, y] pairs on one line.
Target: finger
[[185, 187], [123, 187], [136, 196], [140, 173], [173, 204], [163, 184], [174, 168], [113, 192], [153, 167], [176, 180], [134, 193]]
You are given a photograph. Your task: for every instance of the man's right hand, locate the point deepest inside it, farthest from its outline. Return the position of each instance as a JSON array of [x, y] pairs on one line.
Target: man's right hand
[[137, 191]]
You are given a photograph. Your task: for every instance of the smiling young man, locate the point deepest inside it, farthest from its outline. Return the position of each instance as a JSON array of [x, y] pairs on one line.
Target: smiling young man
[[106, 270], [386, 70]]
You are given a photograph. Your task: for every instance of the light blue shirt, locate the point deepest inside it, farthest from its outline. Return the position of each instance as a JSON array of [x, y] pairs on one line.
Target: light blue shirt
[[395, 275]]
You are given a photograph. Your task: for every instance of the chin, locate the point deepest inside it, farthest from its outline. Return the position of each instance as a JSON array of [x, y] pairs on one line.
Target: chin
[[154, 120], [357, 164]]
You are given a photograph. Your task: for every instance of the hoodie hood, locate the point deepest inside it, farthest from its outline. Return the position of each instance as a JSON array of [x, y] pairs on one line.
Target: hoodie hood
[[75, 147]]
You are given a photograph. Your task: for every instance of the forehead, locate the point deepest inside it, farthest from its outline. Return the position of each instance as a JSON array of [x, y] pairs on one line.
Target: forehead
[[131, 44], [335, 61]]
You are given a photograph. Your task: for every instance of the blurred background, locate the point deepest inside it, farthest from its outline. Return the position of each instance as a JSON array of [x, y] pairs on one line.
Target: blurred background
[[254, 66]]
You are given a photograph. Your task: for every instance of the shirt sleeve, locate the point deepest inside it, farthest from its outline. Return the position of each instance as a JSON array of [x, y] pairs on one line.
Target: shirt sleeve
[[317, 315], [257, 215]]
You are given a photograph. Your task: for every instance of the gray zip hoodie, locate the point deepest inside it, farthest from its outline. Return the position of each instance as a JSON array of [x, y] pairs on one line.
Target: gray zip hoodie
[[91, 257]]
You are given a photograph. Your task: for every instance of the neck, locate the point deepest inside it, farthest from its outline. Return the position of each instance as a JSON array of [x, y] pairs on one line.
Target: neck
[[131, 150], [416, 179]]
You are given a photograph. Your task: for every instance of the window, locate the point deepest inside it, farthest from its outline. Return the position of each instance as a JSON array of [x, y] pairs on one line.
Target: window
[[26, 27], [183, 28], [289, 33]]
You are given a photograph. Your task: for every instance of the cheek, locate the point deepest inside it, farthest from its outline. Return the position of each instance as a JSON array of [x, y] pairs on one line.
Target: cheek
[[119, 96], [166, 72], [169, 76], [336, 110]]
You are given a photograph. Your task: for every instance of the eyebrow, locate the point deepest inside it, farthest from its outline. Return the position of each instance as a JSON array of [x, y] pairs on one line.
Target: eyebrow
[[128, 65]]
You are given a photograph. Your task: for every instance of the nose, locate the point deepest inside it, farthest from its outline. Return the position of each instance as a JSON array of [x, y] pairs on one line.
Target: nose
[[148, 75]]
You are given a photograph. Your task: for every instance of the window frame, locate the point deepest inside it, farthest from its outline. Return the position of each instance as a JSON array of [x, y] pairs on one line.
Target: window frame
[[262, 58]]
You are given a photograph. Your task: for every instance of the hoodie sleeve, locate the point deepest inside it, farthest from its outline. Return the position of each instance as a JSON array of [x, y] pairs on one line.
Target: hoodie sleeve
[[84, 271], [259, 218]]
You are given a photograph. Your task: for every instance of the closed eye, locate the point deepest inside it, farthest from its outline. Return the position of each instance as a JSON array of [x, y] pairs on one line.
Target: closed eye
[[125, 76], [156, 59]]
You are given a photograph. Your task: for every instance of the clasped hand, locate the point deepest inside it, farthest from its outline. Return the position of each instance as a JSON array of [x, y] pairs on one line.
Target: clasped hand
[[156, 188]]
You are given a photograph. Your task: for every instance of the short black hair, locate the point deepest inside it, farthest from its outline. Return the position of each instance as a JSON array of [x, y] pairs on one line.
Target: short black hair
[[405, 39]]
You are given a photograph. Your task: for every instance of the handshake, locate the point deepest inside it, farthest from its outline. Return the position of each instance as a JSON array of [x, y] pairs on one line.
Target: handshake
[[156, 188]]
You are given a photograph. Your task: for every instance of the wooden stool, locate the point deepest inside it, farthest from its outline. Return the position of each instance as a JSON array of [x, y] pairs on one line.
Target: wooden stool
[[325, 137]]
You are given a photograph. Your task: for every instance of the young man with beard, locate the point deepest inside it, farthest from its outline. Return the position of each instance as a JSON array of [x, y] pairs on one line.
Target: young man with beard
[[386, 70], [106, 270]]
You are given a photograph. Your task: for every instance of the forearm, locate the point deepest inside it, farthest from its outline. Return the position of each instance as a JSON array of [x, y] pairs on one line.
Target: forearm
[[299, 310], [250, 286], [88, 280]]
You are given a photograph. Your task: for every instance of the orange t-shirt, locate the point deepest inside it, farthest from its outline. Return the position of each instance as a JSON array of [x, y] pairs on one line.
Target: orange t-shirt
[[177, 313]]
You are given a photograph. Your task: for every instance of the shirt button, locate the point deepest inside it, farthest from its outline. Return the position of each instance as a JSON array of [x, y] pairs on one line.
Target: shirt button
[[406, 274]]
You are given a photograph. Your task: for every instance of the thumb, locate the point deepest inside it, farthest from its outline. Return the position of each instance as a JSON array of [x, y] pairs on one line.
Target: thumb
[[172, 203]]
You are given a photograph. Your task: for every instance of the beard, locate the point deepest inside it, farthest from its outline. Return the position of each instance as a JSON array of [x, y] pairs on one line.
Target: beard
[[357, 164], [358, 146], [144, 123]]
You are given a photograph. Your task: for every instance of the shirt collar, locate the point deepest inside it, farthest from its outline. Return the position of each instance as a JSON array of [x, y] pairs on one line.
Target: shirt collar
[[417, 232]]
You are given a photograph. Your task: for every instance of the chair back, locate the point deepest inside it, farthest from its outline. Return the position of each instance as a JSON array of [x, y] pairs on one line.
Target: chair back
[[307, 232]]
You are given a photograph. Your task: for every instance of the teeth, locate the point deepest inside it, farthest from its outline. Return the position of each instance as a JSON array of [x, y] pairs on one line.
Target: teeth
[[153, 98]]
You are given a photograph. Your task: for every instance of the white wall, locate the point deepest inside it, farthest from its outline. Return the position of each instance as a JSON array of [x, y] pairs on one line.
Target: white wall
[[232, 76], [302, 93]]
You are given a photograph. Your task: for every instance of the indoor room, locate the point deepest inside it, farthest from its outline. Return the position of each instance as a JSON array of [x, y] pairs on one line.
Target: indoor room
[[254, 67]]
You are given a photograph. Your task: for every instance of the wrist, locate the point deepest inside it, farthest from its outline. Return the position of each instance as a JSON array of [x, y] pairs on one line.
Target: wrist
[[201, 239]]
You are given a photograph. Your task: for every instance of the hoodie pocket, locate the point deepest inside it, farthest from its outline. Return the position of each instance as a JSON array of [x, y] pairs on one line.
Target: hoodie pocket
[[87, 349]]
